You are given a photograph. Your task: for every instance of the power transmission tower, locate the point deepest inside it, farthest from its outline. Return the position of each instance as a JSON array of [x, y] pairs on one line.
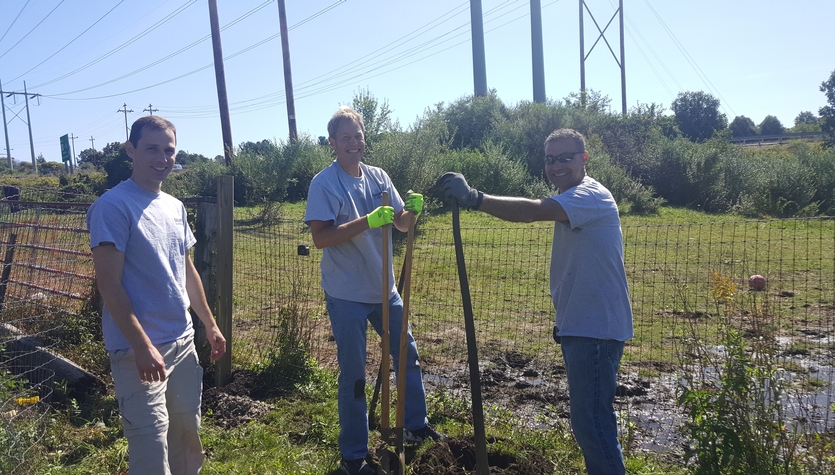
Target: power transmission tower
[[93, 142], [6, 129], [150, 109], [584, 56], [127, 130], [26, 96]]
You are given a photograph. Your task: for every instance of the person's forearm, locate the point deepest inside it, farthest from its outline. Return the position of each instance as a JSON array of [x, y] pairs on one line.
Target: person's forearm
[[401, 221], [197, 297], [333, 235], [522, 210]]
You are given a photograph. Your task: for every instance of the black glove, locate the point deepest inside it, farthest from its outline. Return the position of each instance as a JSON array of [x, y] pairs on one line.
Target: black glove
[[556, 335], [455, 186]]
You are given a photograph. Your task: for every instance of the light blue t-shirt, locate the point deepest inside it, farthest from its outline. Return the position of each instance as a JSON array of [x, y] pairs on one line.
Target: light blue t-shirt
[[152, 231], [353, 270], [588, 277]]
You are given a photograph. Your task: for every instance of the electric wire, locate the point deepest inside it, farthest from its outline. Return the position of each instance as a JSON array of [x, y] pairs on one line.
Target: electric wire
[[15, 20], [71, 41], [124, 45], [32, 29], [690, 59]]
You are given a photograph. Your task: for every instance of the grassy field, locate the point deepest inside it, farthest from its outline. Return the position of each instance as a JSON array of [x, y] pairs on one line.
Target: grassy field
[[688, 279]]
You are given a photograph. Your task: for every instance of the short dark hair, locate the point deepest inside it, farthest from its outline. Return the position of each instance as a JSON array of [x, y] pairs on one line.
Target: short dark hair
[[344, 113], [152, 122], [572, 134]]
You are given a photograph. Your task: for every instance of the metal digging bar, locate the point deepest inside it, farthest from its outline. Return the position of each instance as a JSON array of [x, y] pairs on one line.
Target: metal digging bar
[[482, 467]]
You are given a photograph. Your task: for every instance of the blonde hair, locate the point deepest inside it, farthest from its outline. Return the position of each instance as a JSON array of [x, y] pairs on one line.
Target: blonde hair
[[342, 114]]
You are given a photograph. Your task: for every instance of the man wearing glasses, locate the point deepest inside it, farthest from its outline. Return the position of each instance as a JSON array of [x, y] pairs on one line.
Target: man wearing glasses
[[588, 287]]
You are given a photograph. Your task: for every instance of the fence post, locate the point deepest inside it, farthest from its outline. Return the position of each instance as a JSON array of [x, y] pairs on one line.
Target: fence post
[[225, 217], [7, 268], [205, 261]]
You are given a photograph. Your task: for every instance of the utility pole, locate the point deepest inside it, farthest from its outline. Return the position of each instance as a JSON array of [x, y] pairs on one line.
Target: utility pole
[[537, 52], [6, 129], [126, 110], [220, 79], [479, 61], [150, 109], [93, 142], [288, 76], [29, 123], [73, 163], [583, 56]]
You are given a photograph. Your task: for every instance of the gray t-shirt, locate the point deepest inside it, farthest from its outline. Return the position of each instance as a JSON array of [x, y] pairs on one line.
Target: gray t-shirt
[[588, 277], [152, 231], [352, 270]]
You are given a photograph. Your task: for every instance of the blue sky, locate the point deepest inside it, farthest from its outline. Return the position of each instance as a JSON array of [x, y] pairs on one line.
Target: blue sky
[[86, 58]]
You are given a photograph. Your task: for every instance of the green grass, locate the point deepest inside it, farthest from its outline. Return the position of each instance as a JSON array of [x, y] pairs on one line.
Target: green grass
[[671, 261]]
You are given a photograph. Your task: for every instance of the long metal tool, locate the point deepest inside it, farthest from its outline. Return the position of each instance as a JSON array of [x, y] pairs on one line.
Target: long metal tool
[[481, 465], [400, 412]]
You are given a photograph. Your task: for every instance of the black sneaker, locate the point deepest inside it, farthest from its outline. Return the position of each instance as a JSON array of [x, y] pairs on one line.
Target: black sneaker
[[421, 435], [356, 467]]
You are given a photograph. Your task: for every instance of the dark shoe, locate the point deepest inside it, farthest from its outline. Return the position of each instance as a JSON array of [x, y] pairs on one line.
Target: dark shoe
[[356, 467], [421, 435]]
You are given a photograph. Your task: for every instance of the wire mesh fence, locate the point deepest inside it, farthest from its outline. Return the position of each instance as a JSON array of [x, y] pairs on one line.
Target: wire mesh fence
[[688, 283], [47, 277]]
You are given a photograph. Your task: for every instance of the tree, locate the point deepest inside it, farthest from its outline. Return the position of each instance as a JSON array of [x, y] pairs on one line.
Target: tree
[[806, 117], [742, 126], [771, 126], [827, 112], [91, 156], [184, 158], [697, 115], [806, 121], [589, 100], [376, 116]]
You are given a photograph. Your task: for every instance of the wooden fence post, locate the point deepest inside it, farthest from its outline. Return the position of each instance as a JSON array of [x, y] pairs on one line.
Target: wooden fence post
[[205, 261], [225, 214]]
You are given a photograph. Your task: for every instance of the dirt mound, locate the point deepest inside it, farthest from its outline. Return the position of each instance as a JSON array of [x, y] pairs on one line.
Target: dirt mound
[[457, 457], [236, 403]]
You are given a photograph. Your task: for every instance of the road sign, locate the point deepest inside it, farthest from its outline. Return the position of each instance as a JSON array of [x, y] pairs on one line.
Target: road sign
[[65, 148]]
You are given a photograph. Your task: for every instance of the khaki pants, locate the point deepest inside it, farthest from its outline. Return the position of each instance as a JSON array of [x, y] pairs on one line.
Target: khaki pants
[[161, 420]]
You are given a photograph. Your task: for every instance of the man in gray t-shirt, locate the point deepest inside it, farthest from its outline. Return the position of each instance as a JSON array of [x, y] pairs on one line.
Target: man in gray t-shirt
[[140, 238], [345, 213], [588, 287]]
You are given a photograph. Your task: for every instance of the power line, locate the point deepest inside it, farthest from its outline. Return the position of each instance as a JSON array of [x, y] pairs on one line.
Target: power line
[[14, 21], [31, 30], [124, 45], [71, 41]]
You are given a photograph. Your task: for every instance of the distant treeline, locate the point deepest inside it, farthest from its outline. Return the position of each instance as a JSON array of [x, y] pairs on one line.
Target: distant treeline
[[642, 157]]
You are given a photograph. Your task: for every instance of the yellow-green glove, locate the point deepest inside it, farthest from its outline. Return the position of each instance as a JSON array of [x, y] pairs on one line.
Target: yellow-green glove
[[380, 217], [414, 203]]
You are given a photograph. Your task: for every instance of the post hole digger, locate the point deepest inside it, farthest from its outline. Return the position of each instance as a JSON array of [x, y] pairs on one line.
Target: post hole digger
[[391, 464]]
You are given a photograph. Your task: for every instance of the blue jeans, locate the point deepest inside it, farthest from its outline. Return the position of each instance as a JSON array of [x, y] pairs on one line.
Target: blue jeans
[[592, 367], [349, 322]]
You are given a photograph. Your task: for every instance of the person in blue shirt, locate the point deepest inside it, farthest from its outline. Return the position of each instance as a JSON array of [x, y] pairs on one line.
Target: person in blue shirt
[[345, 213], [588, 286]]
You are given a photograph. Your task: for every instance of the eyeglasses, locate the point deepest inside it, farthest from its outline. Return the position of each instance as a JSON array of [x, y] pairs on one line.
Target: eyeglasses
[[562, 158]]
